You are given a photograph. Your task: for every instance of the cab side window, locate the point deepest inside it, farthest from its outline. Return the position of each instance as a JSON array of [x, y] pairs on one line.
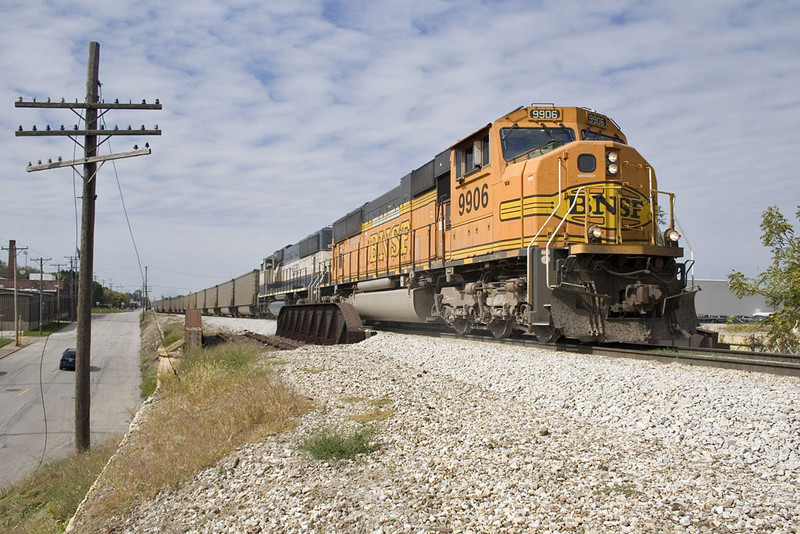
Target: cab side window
[[472, 155]]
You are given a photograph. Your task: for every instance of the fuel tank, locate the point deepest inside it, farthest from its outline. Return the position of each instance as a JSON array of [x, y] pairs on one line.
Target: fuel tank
[[399, 305]]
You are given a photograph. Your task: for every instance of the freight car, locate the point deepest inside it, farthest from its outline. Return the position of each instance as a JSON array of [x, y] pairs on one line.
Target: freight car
[[544, 221], [235, 298]]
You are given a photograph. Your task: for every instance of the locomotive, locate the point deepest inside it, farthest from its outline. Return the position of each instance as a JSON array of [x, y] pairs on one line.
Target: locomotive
[[544, 222]]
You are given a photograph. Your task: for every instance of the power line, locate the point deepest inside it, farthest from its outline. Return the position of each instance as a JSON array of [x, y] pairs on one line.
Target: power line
[[90, 133]]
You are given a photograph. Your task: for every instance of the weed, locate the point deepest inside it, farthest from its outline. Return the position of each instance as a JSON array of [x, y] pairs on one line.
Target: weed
[[44, 501], [628, 490], [170, 337], [337, 443], [221, 398], [148, 367]]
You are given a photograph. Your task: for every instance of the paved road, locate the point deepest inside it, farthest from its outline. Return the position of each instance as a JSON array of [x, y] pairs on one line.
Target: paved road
[[114, 375]]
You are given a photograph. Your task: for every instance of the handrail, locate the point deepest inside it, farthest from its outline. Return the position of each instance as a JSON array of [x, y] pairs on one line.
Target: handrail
[[381, 248], [535, 237], [313, 287], [555, 233]]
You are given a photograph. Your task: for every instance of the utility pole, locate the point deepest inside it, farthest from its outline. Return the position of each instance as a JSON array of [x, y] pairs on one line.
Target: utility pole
[[12, 265], [72, 295], [86, 253], [41, 289], [58, 293]]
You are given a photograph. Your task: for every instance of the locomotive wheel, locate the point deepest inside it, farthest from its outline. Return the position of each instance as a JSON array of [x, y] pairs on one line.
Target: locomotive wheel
[[546, 333], [462, 326], [501, 327]]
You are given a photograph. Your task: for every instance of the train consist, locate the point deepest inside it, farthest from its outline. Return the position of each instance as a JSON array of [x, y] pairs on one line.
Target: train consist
[[544, 222]]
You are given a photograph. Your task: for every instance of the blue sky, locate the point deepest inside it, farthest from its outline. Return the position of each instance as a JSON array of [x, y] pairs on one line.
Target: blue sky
[[280, 117]]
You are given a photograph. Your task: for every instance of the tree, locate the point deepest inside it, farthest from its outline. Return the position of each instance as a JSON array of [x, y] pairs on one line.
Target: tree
[[780, 283], [97, 294]]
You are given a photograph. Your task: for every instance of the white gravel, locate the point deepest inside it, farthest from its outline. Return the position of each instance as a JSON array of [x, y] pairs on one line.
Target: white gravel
[[496, 439]]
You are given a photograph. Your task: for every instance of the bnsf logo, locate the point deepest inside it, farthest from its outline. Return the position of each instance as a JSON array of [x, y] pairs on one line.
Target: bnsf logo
[[628, 204], [392, 241]]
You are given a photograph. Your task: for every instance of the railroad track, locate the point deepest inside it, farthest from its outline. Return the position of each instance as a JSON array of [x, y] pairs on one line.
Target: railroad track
[[774, 363]]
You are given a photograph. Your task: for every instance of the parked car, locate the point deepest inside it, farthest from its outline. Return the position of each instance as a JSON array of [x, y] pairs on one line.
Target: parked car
[[67, 360]]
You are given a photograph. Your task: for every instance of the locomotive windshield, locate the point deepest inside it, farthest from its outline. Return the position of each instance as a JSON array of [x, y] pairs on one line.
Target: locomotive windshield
[[589, 135], [518, 142]]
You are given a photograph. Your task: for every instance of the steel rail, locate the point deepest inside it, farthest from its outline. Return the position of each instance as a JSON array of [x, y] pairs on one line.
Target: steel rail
[[773, 363]]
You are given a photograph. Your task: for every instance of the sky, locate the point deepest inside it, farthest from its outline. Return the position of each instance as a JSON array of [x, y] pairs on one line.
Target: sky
[[279, 117]]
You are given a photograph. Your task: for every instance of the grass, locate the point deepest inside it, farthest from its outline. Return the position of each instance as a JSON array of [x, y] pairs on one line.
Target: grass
[[106, 310], [46, 329], [43, 502], [338, 443], [220, 399], [172, 333], [148, 368], [4, 342]]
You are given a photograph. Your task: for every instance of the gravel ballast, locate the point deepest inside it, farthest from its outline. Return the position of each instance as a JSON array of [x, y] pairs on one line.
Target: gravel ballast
[[475, 437]]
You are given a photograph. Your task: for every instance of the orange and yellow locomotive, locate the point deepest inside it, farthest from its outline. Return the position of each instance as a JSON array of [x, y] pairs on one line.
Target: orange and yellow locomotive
[[545, 221]]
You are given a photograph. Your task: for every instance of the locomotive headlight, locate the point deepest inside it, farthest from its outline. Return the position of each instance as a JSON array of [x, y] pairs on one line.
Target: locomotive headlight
[[672, 235], [595, 233], [612, 162]]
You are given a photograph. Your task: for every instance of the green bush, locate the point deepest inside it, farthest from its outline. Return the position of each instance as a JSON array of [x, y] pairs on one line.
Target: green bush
[[337, 443]]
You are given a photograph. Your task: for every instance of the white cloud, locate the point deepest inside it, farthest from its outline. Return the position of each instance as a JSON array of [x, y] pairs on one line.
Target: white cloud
[[280, 117]]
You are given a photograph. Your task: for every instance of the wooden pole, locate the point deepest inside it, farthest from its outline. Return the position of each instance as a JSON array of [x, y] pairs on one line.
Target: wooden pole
[[85, 277]]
